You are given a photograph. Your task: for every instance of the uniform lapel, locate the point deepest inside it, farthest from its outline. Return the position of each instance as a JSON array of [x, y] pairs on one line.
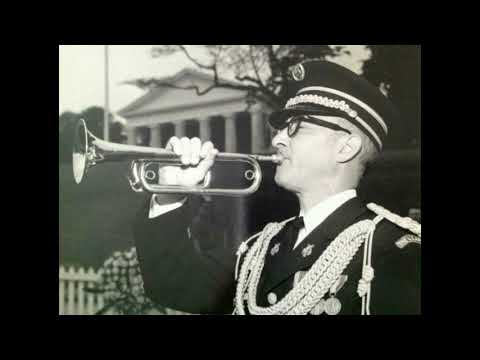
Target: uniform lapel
[[287, 262]]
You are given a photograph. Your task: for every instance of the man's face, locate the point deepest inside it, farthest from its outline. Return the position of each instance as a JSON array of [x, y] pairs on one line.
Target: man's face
[[309, 156]]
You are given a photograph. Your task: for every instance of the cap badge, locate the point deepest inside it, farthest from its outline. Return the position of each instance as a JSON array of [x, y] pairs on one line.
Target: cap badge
[[297, 72]]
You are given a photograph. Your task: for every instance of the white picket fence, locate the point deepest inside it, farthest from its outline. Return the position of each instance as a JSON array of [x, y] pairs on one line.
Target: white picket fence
[[73, 299]]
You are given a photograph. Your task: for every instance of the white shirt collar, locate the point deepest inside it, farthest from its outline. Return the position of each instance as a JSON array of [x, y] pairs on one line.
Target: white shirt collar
[[316, 215]]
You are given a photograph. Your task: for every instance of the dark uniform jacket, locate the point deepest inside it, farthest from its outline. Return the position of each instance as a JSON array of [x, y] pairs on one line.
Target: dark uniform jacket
[[186, 267]]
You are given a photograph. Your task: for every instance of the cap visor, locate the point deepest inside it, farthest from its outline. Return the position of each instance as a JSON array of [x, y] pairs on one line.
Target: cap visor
[[277, 119]]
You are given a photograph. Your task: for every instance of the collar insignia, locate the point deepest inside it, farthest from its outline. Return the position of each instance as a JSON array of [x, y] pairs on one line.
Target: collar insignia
[[275, 249], [307, 250]]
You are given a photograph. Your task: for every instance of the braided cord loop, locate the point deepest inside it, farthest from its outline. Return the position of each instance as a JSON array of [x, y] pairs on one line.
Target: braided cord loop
[[313, 286]]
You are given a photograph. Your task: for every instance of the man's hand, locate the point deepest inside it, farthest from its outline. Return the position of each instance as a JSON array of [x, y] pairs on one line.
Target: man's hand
[[196, 158]]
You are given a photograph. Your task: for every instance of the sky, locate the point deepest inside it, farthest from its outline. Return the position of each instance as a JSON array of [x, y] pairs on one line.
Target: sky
[[82, 77]]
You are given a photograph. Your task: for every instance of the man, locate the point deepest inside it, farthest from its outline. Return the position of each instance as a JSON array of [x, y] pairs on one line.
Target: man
[[338, 256]]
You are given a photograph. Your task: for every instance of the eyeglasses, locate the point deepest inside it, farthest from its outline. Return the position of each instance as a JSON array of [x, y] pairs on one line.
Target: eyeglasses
[[294, 122]]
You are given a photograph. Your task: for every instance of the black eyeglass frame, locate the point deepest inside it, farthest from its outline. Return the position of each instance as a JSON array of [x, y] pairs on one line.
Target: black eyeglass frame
[[294, 122]]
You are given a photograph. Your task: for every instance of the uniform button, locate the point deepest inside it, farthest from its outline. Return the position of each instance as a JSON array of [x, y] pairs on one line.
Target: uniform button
[[272, 298]]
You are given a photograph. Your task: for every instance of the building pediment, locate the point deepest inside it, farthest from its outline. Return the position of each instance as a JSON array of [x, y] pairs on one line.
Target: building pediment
[[165, 99]]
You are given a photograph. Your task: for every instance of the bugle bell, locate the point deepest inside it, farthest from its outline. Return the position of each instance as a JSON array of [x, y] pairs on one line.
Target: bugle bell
[[244, 169]]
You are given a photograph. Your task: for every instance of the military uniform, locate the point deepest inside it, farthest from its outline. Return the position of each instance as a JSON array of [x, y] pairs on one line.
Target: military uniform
[[360, 260], [197, 274], [397, 277]]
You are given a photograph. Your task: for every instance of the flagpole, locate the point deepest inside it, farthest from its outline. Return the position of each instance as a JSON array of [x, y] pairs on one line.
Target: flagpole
[[105, 114]]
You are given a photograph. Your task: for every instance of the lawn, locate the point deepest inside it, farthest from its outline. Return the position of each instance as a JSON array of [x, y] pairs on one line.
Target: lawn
[[95, 217]]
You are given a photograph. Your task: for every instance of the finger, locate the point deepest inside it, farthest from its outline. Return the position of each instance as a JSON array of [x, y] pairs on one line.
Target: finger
[[175, 145], [186, 151], [208, 162], [196, 145], [206, 148]]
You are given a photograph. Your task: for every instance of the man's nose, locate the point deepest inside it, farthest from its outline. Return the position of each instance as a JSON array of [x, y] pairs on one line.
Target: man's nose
[[280, 138]]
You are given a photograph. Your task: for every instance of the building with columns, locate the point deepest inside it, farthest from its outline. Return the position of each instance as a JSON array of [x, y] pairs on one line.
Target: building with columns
[[219, 115]]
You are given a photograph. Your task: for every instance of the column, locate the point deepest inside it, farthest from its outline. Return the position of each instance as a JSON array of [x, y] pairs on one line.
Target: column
[[230, 134], [131, 135], [205, 129], [257, 131], [155, 136], [180, 128]]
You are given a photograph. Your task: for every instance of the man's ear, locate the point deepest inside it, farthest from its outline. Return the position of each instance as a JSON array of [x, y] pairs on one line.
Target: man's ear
[[348, 147]]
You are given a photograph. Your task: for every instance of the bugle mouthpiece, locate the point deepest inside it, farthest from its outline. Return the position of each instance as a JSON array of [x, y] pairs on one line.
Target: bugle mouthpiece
[[275, 158]]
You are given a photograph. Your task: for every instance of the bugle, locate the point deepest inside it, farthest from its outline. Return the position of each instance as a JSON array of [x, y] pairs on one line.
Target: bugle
[[88, 151]]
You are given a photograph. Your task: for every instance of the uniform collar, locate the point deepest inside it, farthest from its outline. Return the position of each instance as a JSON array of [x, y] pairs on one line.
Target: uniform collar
[[278, 270], [316, 215]]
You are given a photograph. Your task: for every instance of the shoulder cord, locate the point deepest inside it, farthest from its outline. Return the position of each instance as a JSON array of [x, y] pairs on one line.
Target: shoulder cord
[[364, 289], [242, 249], [244, 277], [244, 245], [312, 287], [404, 222]]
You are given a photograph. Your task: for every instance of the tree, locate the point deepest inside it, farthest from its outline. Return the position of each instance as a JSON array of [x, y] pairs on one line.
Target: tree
[[66, 124], [260, 70], [116, 133], [94, 119], [65, 119], [122, 287], [396, 69]]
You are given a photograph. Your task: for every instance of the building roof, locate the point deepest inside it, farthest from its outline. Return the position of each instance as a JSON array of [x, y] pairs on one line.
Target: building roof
[[185, 77]]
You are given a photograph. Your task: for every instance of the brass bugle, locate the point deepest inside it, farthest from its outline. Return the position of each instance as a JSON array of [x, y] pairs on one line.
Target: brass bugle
[[88, 151]]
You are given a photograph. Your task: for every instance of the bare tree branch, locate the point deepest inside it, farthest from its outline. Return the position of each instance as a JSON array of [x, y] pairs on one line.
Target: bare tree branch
[[248, 78], [263, 58], [217, 56], [200, 65], [157, 83], [254, 65]]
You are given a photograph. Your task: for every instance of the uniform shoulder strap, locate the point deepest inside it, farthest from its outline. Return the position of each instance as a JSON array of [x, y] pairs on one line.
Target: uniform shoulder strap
[[404, 222]]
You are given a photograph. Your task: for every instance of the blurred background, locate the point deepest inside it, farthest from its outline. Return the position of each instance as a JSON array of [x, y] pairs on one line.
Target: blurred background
[[144, 94]]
